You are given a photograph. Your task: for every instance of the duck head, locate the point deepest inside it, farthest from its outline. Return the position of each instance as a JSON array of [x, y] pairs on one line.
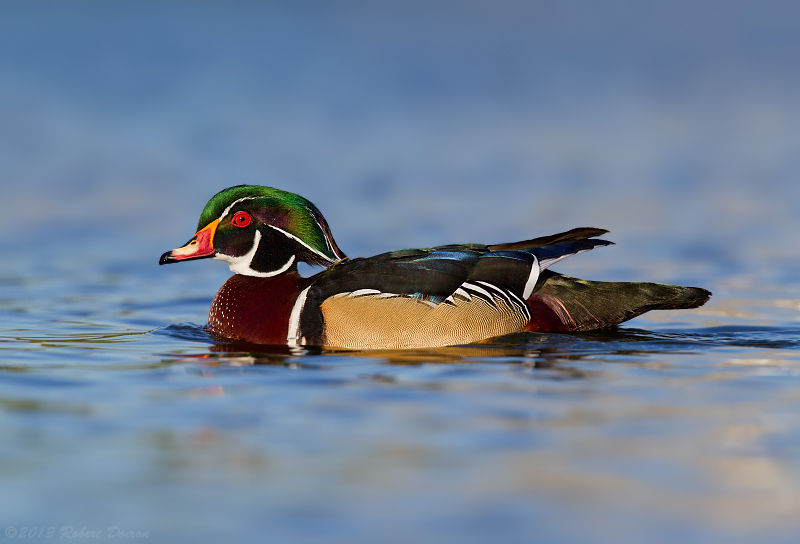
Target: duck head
[[259, 231]]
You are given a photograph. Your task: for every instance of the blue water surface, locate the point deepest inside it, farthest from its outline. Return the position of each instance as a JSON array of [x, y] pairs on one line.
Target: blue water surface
[[676, 125]]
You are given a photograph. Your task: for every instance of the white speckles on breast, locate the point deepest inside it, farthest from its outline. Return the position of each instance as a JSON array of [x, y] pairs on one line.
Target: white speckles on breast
[[222, 311]]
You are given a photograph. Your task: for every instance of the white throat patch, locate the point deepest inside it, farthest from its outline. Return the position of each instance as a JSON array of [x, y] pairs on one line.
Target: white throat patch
[[241, 264]]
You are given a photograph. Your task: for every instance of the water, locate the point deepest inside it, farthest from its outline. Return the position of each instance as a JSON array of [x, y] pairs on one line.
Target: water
[[408, 125]]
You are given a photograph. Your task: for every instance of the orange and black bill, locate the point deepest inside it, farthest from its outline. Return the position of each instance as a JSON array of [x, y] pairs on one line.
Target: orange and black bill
[[201, 246]]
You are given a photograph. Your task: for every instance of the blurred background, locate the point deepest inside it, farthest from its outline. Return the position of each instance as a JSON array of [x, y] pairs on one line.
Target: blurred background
[[674, 124]]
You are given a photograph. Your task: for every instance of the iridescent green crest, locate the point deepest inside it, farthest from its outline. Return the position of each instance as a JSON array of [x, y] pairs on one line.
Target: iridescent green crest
[[284, 210]]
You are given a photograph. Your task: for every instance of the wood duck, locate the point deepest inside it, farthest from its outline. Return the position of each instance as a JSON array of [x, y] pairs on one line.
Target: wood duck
[[411, 298]]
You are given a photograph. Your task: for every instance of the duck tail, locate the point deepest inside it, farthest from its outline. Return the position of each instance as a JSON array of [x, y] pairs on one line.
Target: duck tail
[[574, 235], [561, 303]]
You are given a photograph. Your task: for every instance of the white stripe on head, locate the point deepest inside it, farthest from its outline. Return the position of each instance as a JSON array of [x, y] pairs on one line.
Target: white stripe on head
[[301, 242], [328, 242], [234, 203]]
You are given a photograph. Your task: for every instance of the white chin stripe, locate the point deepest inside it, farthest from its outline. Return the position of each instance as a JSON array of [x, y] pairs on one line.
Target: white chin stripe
[[241, 265]]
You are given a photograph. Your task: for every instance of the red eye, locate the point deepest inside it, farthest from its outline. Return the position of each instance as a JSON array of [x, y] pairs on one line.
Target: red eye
[[241, 219]]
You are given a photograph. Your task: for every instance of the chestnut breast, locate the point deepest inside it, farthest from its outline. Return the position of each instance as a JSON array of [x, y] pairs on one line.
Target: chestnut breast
[[255, 309]]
